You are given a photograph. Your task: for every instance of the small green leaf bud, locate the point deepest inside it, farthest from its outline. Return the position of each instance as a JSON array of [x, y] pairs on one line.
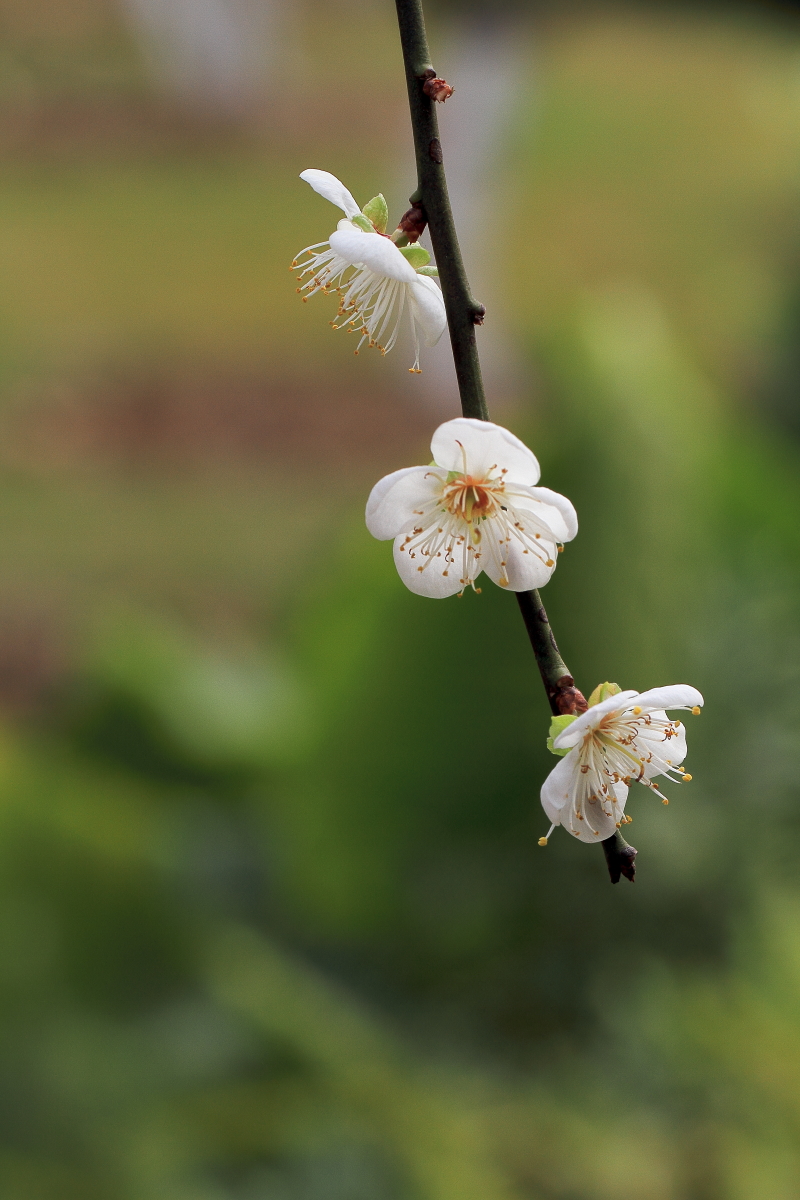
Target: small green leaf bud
[[602, 692], [557, 725], [363, 223], [428, 271], [377, 212], [417, 255]]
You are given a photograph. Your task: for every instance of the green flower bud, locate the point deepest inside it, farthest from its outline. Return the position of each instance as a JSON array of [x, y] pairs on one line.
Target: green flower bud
[[557, 725], [417, 255], [602, 692], [377, 212]]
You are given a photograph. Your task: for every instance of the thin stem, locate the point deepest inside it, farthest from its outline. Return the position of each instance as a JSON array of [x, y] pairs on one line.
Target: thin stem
[[463, 311], [463, 314]]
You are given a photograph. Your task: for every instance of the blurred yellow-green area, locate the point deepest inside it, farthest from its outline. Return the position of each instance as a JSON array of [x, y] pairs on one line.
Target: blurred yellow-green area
[[274, 923]]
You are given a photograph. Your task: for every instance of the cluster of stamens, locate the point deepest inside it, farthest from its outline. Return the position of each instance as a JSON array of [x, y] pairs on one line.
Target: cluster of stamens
[[369, 304], [467, 519]]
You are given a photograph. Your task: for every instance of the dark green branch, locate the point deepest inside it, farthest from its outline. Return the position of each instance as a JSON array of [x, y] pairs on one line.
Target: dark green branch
[[562, 694], [463, 314], [463, 311]]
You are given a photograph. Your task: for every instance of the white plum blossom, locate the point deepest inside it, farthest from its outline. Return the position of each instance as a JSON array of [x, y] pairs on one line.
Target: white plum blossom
[[376, 281], [475, 508], [625, 738]]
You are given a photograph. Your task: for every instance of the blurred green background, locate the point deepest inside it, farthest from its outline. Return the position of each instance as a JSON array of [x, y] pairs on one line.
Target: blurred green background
[[274, 924]]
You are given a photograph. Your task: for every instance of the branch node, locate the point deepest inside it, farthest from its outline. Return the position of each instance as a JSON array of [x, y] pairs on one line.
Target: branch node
[[426, 72], [568, 699], [438, 89], [478, 313], [413, 221], [435, 150]]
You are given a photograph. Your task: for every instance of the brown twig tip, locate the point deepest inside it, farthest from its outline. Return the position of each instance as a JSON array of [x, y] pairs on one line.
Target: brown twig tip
[[438, 89], [568, 699], [620, 858], [413, 222], [478, 313]]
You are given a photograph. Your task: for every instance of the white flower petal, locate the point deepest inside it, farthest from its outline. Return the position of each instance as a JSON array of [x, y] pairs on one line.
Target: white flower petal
[[677, 695], [601, 824], [651, 741], [431, 580], [392, 503], [521, 571], [332, 189], [581, 725], [621, 792], [485, 445], [559, 787], [373, 251], [553, 509], [427, 305], [561, 798]]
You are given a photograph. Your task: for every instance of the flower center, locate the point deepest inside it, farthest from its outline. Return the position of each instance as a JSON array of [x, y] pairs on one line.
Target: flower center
[[470, 499], [611, 746]]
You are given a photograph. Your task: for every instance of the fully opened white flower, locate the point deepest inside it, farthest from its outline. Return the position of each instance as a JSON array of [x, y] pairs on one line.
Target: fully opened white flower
[[475, 508], [377, 282], [625, 738]]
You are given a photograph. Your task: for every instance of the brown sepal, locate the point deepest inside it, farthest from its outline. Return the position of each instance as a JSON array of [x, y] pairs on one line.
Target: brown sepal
[[413, 222], [568, 699]]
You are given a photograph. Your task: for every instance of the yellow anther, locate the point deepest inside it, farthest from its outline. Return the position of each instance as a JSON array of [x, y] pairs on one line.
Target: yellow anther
[[549, 563], [636, 711], [687, 779], [696, 711], [665, 801], [618, 824], [542, 841]]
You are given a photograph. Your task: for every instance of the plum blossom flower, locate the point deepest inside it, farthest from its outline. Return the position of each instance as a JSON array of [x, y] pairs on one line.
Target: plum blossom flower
[[624, 738], [475, 508], [376, 281]]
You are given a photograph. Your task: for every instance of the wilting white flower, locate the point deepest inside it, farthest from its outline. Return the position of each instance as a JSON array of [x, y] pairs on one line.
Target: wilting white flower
[[623, 739], [376, 281], [475, 508]]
